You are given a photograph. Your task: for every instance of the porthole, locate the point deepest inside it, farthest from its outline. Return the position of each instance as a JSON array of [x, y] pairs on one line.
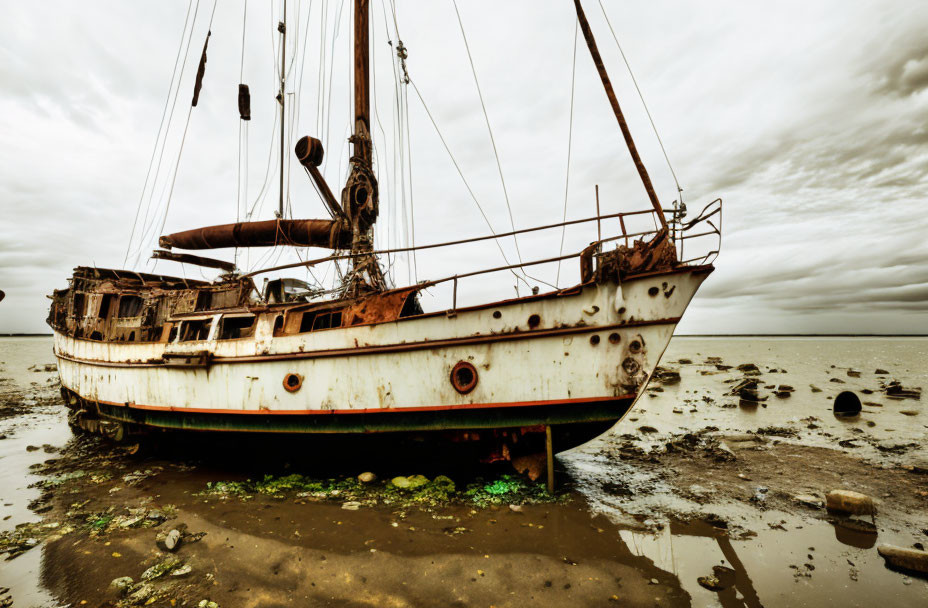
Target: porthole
[[594, 339], [653, 291], [293, 382], [635, 346], [534, 321], [463, 377], [497, 314], [614, 338]]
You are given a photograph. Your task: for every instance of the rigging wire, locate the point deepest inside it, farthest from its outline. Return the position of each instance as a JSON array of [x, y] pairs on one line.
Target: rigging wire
[[403, 144], [147, 219], [486, 116], [466, 184], [180, 152], [154, 150], [241, 138], [570, 137], [643, 103]]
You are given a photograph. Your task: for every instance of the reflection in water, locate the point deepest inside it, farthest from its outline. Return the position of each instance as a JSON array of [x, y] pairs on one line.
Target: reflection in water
[[728, 597]]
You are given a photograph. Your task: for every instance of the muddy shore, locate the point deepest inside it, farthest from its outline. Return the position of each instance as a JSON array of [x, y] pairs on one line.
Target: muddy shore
[[640, 515]]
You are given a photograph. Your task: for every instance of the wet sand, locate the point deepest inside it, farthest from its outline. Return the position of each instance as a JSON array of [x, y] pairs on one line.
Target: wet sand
[[640, 515]]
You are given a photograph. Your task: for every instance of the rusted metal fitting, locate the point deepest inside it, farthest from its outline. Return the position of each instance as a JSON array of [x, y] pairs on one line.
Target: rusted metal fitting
[[293, 382], [463, 377], [309, 151]]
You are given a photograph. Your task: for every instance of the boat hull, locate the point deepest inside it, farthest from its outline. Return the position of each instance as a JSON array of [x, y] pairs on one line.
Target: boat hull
[[577, 357]]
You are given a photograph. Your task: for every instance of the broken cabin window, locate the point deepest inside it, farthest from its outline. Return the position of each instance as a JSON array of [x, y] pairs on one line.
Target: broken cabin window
[[77, 305], [195, 330], [327, 320], [306, 322], [231, 328], [130, 306], [105, 305]]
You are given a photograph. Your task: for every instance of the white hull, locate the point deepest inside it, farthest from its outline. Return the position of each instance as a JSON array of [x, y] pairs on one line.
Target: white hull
[[406, 364]]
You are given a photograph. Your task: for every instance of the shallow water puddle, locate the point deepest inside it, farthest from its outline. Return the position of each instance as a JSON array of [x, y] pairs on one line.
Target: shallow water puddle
[[805, 565]]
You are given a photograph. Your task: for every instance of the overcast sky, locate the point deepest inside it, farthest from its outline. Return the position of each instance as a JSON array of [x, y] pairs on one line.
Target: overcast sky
[[807, 118]]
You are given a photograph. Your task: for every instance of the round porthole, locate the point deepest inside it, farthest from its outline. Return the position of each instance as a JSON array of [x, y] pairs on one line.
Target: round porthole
[[534, 321], [293, 382], [463, 377]]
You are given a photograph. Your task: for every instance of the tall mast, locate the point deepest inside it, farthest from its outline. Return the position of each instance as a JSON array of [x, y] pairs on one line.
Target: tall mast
[[362, 100], [282, 28], [360, 195], [626, 133]]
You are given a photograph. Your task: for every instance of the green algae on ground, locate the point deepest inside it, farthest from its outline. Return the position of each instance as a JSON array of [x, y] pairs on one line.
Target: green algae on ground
[[402, 490]]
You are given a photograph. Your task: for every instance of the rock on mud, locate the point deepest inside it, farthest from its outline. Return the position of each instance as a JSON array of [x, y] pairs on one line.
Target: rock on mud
[[120, 586], [162, 568], [710, 582], [847, 501], [141, 595], [367, 477], [168, 541], [907, 559]]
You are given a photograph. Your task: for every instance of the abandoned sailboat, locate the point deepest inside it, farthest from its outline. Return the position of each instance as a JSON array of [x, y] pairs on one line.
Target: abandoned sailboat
[[140, 352]]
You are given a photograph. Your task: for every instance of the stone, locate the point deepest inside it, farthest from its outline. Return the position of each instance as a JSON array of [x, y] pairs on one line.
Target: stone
[[880, 372], [907, 559], [809, 501], [141, 594], [710, 582], [815, 389], [169, 541], [183, 570], [749, 369], [367, 477], [409, 483], [162, 568], [853, 373], [847, 501], [120, 586], [351, 505], [647, 429]]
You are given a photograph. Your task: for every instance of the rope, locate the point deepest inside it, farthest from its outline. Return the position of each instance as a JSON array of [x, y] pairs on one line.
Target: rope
[[570, 137], [643, 103], [164, 112]]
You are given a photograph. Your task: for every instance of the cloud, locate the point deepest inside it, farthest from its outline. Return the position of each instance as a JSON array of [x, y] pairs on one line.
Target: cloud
[[811, 129]]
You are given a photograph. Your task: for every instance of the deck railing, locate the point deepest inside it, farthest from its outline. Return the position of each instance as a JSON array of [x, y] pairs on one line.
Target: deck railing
[[707, 225]]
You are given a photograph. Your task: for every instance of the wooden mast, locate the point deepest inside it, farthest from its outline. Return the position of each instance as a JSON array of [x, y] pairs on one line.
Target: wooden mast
[[362, 98], [610, 93], [360, 195]]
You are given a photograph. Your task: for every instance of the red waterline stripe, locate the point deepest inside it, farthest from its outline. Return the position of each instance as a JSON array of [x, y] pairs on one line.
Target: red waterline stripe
[[395, 410]]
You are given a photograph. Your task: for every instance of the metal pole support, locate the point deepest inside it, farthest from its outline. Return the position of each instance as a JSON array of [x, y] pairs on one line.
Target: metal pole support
[[549, 450]]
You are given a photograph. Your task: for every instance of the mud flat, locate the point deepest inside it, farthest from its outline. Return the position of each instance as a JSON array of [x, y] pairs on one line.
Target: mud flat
[[719, 504]]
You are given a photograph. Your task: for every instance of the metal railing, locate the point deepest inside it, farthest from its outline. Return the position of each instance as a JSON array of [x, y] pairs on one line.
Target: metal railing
[[680, 232]]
